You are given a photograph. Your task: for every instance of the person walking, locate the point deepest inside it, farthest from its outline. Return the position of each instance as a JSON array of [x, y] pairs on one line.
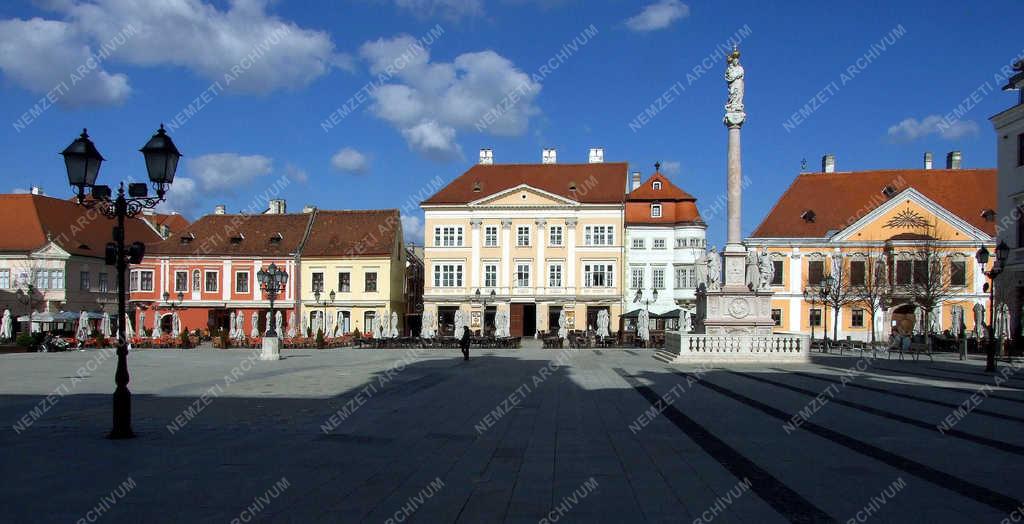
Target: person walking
[[464, 342]]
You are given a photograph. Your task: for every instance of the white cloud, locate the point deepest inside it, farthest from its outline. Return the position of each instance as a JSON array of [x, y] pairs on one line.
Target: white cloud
[[350, 160], [412, 228], [267, 53], [296, 174], [658, 15], [228, 172], [670, 167], [183, 197], [429, 102], [450, 9], [911, 129], [20, 191]]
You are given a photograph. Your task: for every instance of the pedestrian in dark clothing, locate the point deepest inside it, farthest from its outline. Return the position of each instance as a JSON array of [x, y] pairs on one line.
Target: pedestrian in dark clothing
[[464, 343]]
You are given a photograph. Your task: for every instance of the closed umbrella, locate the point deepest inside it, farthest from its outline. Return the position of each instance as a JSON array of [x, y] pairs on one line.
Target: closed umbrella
[[425, 328], [394, 324], [255, 332], [278, 321], [106, 324], [562, 331], [602, 323], [458, 323], [128, 331], [232, 323], [643, 325], [83, 326], [5, 325], [291, 324], [175, 324], [377, 327]]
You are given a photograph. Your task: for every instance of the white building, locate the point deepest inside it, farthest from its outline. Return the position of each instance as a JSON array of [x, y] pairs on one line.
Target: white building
[[665, 237], [1009, 127]]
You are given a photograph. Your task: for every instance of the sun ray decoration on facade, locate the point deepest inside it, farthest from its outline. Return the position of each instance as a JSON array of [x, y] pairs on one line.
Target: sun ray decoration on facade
[[907, 219]]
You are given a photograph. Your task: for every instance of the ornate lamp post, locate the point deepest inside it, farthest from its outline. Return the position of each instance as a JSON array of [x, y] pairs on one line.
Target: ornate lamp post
[[174, 304], [639, 299], [82, 161], [328, 300], [482, 299], [982, 256], [272, 280], [814, 295]]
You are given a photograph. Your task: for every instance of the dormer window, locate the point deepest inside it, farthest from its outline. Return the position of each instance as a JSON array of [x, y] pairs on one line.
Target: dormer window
[[187, 239], [657, 185], [655, 210], [889, 191], [276, 239], [237, 239], [572, 186], [476, 187], [989, 215], [808, 216]]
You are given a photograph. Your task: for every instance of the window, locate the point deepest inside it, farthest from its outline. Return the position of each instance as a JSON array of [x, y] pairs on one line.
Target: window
[[658, 278], [555, 236], [371, 281], [368, 320], [777, 276], [211, 282], [146, 280], [659, 243], [656, 185], [83, 281], [41, 281], [777, 317], [903, 272], [490, 275], [195, 280], [857, 318], [523, 236], [318, 281], [242, 282], [133, 281], [815, 272], [598, 275], [181, 281], [655, 210], [638, 243], [448, 236], [920, 271], [636, 278], [958, 273], [522, 275], [57, 279], [555, 275], [598, 236], [5, 278], [104, 287], [686, 277], [490, 236], [447, 275], [344, 322], [815, 318], [858, 273], [344, 282]]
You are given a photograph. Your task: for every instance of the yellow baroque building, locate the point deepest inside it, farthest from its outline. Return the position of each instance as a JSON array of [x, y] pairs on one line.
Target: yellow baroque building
[[857, 225]]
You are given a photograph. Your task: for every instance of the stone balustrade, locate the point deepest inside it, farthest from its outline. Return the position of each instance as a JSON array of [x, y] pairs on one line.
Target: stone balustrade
[[695, 348]]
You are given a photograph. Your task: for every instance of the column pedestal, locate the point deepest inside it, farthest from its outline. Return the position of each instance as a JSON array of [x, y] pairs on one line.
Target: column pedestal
[[271, 349]]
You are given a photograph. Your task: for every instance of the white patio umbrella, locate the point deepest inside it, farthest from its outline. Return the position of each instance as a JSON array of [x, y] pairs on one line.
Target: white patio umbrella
[[602, 323], [377, 327], [105, 324], [425, 328], [5, 325], [232, 325], [255, 331], [128, 331], [459, 322], [1002, 321], [918, 321], [175, 324], [291, 324], [329, 323], [562, 321], [83, 326], [278, 323], [394, 324], [643, 325]]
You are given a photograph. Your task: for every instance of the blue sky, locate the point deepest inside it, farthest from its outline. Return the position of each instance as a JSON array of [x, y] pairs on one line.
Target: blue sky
[[312, 57]]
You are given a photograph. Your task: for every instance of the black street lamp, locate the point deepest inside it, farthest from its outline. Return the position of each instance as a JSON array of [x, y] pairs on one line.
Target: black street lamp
[[272, 280], [482, 299], [82, 161], [982, 256], [174, 304], [639, 299], [316, 297], [815, 294]]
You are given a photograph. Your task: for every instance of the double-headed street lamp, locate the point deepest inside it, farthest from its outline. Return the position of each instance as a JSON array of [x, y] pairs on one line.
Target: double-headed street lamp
[[82, 161], [482, 299], [316, 297], [174, 305], [272, 280], [1002, 252], [815, 294]]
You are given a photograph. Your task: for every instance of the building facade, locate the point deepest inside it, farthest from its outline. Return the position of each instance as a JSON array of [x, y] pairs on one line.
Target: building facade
[[665, 237], [359, 257], [53, 260], [533, 240], [883, 227], [1009, 127]]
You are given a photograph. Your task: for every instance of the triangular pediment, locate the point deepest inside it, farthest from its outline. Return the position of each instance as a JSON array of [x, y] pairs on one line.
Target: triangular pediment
[[523, 196], [910, 215], [51, 250]]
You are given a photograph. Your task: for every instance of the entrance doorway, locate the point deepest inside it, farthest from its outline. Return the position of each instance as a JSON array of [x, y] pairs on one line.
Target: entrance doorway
[[522, 320], [903, 319], [446, 320], [166, 323], [554, 312]]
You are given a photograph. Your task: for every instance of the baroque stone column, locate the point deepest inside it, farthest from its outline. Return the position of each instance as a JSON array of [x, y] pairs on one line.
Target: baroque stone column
[[735, 115]]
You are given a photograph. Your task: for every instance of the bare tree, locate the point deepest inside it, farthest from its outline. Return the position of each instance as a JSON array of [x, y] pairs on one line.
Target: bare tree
[[838, 292], [870, 289], [933, 279]]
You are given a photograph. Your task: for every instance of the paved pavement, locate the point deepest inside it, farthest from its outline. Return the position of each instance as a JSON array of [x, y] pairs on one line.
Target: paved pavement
[[511, 436]]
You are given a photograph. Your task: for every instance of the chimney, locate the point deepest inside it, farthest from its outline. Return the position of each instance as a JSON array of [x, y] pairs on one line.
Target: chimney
[[278, 206], [828, 163], [548, 156], [953, 159], [928, 160], [634, 180], [36, 190], [308, 208], [596, 155], [486, 156], [219, 209]]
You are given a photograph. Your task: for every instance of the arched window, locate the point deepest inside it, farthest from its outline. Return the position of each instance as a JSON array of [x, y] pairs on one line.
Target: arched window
[[657, 185], [195, 280]]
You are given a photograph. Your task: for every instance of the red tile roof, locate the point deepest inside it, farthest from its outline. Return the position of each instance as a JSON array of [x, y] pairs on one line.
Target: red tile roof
[[237, 235], [668, 191], [602, 183], [839, 199], [677, 206], [30, 219], [173, 221], [371, 232]]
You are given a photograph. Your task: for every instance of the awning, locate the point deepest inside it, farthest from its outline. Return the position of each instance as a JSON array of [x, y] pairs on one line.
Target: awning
[[667, 315], [632, 314]]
